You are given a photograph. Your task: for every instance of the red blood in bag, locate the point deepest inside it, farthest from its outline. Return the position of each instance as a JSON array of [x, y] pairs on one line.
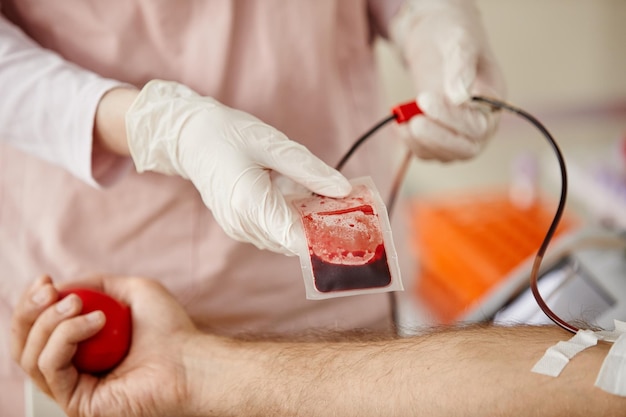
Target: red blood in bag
[[337, 277], [346, 249], [106, 349]]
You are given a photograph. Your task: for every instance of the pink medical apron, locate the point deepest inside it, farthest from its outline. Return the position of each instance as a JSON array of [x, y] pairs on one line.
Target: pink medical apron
[[305, 67]]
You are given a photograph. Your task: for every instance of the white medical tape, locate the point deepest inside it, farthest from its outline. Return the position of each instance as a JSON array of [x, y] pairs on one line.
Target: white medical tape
[[557, 357], [612, 375], [612, 335]]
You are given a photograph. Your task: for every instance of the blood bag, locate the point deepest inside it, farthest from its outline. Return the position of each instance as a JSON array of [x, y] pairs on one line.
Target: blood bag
[[349, 247]]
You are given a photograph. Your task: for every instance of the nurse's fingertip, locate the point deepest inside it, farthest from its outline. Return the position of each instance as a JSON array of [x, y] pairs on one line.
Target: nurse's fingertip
[[458, 93], [338, 187]]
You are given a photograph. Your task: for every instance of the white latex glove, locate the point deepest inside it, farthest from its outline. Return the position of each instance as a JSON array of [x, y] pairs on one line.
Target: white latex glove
[[449, 58], [229, 156]]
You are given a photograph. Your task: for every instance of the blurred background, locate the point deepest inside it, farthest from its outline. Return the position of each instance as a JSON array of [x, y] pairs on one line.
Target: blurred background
[[564, 62]]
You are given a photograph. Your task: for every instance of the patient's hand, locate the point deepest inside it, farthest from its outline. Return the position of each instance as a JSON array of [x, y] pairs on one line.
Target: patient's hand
[[151, 379]]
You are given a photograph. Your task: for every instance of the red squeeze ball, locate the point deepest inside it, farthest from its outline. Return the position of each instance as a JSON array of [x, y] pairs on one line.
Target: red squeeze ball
[[106, 349]]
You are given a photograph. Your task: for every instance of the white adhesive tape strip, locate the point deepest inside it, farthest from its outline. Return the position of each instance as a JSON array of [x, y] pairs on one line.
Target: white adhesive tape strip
[[612, 376], [612, 335], [557, 357]]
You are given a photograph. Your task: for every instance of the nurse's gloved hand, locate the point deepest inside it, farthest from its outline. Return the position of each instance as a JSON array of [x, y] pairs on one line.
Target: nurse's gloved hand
[[449, 59], [229, 156]]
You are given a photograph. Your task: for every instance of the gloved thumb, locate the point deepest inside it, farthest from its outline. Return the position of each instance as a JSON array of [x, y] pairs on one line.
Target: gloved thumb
[[460, 71]]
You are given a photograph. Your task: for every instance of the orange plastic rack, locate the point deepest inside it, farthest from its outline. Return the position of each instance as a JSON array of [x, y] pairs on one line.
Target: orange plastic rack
[[467, 243]]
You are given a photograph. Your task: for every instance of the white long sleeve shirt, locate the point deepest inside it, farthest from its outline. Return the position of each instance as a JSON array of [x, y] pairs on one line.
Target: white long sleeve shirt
[[33, 78]]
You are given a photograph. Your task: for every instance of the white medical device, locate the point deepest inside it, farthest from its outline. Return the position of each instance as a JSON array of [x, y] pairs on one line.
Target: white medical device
[[582, 279]]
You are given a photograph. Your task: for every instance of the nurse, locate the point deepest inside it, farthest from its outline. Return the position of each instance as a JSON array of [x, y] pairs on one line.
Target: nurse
[[154, 139]]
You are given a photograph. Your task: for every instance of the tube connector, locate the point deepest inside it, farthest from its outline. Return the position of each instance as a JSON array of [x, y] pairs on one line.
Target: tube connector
[[406, 111]]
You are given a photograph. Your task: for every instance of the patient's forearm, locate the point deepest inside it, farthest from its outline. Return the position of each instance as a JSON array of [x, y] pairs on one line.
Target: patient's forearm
[[475, 371]]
